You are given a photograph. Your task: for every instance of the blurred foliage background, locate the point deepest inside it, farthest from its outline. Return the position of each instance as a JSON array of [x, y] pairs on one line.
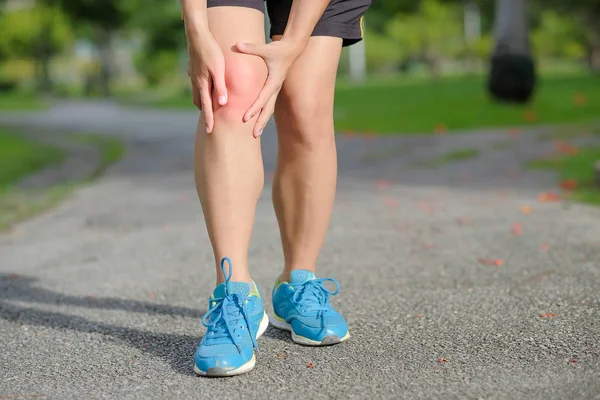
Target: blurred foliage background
[[120, 47]]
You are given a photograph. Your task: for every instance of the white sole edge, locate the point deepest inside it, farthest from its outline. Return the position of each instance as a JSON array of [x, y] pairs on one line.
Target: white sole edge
[[284, 326], [264, 324]]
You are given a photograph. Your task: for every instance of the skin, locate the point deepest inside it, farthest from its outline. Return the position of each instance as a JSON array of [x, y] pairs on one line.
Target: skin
[[238, 82]]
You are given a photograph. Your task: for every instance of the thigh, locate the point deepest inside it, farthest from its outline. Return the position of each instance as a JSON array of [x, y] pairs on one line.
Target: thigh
[[230, 24], [310, 84]]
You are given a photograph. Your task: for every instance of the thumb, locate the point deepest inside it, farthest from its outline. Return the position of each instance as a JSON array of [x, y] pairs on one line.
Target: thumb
[[219, 86], [252, 48]]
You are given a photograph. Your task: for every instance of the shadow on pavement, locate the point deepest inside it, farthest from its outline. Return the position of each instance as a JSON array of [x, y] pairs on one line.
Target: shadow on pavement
[[177, 350]]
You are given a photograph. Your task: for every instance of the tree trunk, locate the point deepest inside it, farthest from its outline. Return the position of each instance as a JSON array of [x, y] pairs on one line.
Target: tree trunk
[[512, 74], [44, 54], [593, 52], [103, 44], [472, 28]]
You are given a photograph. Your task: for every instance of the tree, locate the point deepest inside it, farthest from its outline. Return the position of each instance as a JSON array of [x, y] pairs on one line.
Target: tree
[[104, 17], [38, 33], [431, 33], [512, 74], [164, 38], [558, 36], [587, 14]]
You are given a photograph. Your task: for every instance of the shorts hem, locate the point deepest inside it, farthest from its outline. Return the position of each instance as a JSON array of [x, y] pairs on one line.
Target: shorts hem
[[256, 5], [349, 33]]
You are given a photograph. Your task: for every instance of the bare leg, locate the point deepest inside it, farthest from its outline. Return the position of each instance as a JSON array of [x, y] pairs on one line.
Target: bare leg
[[306, 172], [228, 162]]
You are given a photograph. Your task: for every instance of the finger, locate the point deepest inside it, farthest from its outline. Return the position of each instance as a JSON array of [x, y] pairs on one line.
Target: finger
[[205, 94], [196, 97], [220, 86], [271, 87], [264, 116], [254, 49]]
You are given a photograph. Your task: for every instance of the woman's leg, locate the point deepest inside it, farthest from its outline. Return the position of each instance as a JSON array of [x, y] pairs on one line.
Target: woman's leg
[[228, 162], [306, 171]]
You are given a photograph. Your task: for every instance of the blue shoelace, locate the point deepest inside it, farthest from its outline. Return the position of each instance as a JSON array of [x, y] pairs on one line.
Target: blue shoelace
[[227, 314], [313, 296]]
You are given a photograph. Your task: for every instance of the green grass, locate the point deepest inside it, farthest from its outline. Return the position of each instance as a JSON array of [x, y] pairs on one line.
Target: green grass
[[418, 105], [459, 103], [578, 168], [19, 156], [111, 150], [503, 145], [448, 158], [10, 101], [572, 131]]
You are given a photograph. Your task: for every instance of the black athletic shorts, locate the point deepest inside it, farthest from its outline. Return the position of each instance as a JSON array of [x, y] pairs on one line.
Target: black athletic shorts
[[342, 18]]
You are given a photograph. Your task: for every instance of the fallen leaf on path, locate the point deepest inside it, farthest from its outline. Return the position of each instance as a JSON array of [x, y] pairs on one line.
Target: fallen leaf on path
[[526, 209], [442, 360], [382, 184], [568, 184], [548, 315], [403, 227], [563, 147], [517, 229], [514, 132], [418, 315], [465, 221], [281, 356], [579, 99], [548, 197], [311, 365], [390, 201], [496, 262], [441, 129], [427, 207], [530, 116], [368, 135]]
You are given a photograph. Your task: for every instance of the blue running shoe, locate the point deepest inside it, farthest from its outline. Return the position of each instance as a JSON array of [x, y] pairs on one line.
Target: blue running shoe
[[235, 320], [302, 307]]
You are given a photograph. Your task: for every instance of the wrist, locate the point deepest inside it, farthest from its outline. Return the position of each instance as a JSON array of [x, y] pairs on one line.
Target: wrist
[[297, 44], [197, 32]]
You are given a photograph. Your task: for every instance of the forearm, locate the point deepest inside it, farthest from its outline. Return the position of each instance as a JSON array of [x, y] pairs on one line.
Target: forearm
[[195, 18], [303, 18]]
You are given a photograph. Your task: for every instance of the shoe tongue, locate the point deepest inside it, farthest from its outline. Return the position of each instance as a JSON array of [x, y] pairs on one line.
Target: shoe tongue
[[299, 276], [242, 289]]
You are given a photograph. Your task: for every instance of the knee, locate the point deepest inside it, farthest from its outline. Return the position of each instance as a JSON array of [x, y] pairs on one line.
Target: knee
[[245, 76], [307, 119]]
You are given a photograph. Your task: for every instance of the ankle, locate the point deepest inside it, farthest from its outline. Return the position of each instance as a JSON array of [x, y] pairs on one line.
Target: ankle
[[286, 274], [235, 278]]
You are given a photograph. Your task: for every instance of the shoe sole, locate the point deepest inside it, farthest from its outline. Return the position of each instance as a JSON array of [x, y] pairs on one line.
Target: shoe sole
[[279, 323], [220, 372]]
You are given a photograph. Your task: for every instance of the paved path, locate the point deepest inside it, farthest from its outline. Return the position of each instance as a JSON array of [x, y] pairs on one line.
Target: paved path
[[102, 297]]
